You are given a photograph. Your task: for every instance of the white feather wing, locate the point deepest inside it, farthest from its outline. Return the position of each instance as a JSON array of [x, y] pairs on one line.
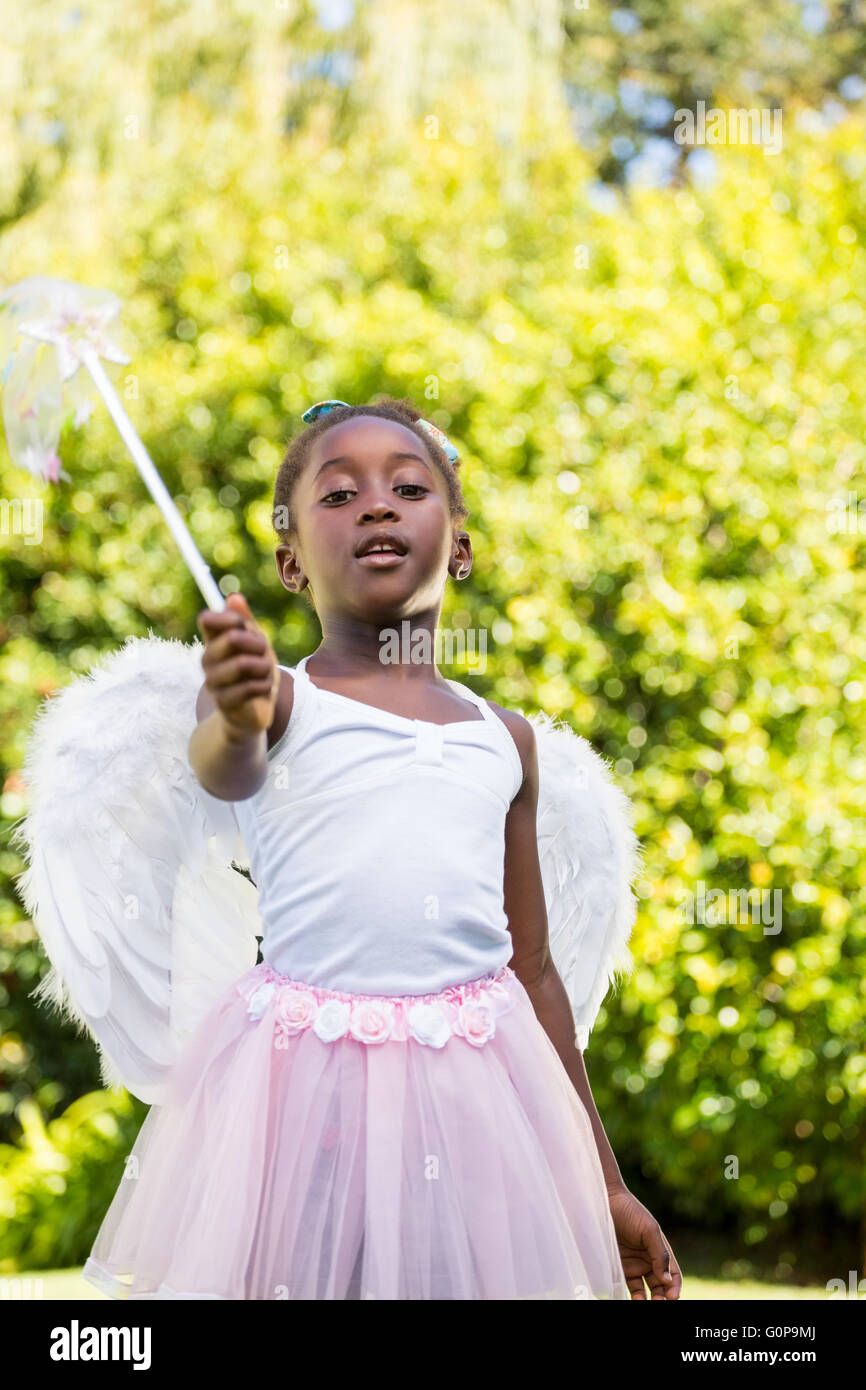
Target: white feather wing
[[589, 857], [129, 877]]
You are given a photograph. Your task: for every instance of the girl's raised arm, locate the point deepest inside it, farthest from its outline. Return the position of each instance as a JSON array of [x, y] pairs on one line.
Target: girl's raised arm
[[237, 704]]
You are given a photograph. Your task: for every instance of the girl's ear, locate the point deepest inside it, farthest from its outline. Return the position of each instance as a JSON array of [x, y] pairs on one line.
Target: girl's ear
[[290, 573], [461, 556]]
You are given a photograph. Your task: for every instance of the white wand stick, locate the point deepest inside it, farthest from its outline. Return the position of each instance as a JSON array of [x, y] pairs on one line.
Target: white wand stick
[[64, 328], [157, 488]]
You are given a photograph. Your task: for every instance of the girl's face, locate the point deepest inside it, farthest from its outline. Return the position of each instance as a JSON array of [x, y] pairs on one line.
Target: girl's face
[[365, 476]]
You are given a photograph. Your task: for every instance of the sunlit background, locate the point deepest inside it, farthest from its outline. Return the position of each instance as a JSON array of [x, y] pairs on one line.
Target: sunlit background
[[650, 354]]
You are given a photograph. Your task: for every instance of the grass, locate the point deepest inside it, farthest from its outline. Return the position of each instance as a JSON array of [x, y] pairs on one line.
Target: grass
[[67, 1284]]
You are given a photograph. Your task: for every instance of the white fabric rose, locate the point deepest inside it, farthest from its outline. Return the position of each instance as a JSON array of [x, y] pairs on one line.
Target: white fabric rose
[[260, 999], [332, 1020], [428, 1024]]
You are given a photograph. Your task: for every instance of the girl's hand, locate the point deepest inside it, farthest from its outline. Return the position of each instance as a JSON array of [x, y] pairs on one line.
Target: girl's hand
[[240, 669], [644, 1252]]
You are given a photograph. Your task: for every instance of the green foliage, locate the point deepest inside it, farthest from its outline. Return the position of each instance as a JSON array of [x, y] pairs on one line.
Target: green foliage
[[630, 68], [658, 406], [55, 1186]]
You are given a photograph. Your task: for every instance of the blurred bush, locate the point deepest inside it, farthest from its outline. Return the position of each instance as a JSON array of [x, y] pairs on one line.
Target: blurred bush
[[56, 1184], [657, 397]]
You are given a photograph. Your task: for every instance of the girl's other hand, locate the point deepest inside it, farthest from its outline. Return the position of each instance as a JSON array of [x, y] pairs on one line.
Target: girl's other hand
[[643, 1249], [240, 668]]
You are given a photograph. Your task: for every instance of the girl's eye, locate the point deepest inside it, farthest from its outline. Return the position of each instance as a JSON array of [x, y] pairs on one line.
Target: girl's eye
[[344, 491]]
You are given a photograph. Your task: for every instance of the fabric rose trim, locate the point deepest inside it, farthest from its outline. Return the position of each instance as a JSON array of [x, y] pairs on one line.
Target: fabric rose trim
[[296, 1010], [371, 1021], [476, 1022], [332, 1020], [428, 1025], [467, 1011]]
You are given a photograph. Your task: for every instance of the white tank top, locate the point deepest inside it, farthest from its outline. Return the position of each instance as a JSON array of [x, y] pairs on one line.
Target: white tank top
[[377, 844]]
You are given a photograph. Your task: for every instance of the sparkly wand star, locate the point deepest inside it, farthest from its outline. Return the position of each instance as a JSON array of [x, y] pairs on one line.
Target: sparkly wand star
[[49, 329]]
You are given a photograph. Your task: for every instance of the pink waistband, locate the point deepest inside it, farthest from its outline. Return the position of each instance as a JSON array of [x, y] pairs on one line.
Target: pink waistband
[[467, 1010]]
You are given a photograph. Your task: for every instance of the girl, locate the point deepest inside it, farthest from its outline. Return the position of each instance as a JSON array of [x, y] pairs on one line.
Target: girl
[[391, 1103]]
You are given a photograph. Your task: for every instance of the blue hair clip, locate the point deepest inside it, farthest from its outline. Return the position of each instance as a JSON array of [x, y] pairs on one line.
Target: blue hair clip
[[441, 439], [322, 408]]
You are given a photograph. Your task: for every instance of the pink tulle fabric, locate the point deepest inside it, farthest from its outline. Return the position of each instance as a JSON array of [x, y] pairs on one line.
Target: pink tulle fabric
[[289, 1165]]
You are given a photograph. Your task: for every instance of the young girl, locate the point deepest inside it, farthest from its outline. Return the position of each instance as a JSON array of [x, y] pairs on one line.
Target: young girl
[[390, 1104]]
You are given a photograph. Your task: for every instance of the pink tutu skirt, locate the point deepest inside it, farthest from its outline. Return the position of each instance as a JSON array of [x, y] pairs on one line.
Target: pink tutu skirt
[[322, 1145]]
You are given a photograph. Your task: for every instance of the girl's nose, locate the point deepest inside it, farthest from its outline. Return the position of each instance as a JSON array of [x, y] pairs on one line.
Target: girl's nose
[[379, 509]]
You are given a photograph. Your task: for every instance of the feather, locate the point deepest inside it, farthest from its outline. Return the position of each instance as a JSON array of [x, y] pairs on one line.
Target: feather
[[589, 856], [129, 876]]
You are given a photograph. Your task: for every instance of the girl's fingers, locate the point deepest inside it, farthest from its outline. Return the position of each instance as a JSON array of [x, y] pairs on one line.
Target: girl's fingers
[[246, 666], [248, 690], [234, 642], [236, 614], [237, 603], [665, 1275], [209, 621], [238, 661], [675, 1287]]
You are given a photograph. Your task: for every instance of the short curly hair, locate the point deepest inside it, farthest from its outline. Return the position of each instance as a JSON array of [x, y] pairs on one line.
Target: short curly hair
[[404, 411]]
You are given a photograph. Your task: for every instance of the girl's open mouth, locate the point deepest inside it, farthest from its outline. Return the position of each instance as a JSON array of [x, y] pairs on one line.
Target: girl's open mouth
[[380, 559]]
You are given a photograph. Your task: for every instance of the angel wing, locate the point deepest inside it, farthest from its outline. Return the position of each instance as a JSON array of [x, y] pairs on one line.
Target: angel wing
[[589, 857], [129, 876]]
